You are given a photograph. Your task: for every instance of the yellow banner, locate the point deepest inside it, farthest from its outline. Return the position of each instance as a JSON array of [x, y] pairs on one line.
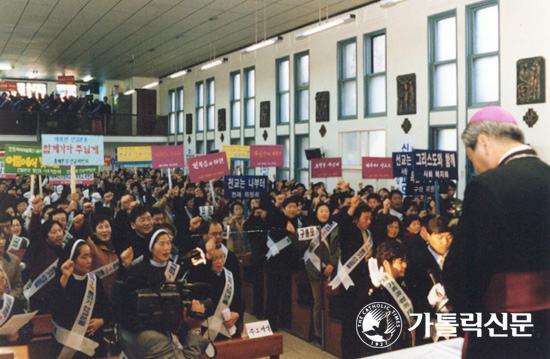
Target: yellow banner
[[134, 155], [235, 152]]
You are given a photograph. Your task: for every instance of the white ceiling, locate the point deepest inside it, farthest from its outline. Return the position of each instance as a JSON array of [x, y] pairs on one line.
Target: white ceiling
[[118, 39]]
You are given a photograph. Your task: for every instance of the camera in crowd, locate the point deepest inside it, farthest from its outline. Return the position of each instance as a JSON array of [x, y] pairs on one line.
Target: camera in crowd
[[162, 305]]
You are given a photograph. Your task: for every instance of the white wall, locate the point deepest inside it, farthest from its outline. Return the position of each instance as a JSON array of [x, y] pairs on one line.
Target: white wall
[[524, 32]]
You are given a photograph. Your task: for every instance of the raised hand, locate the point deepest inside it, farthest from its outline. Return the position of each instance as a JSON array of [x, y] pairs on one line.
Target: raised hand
[[127, 257]]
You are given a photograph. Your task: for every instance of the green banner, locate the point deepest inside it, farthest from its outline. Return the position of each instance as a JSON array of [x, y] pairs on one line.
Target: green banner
[[27, 160]]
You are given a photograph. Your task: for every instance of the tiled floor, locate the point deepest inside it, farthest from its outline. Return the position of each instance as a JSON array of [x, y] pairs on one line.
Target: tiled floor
[[296, 348]]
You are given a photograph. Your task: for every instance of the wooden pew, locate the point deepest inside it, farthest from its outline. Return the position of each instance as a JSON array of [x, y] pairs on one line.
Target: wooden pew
[[39, 347], [302, 314], [333, 326], [247, 348]]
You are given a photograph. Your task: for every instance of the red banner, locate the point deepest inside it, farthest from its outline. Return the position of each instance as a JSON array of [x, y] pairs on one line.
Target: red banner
[[377, 167], [207, 167], [65, 80], [266, 156], [326, 167], [168, 156], [8, 86], [106, 160]]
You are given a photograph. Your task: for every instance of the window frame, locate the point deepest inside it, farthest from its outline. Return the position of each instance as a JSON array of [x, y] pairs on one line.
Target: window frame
[[359, 147], [280, 93], [180, 100], [247, 71], [471, 56], [432, 52], [233, 100], [341, 81], [172, 117], [298, 88], [280, 141], [198, 106], [297, 155], [367, 74], [210, 82]]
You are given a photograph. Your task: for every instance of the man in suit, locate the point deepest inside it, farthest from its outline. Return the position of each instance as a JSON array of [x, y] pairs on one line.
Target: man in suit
[[499, 260]]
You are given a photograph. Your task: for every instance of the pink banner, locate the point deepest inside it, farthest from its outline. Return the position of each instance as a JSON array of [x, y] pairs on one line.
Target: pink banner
[[326, 167], [207, 167], [168, 156], [266, 156], [377, 167]]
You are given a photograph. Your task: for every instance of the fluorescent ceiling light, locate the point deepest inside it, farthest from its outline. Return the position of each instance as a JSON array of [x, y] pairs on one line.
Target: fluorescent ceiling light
[[87, 78], [5, 67], [326, 25], [262, 44], [388, 3], [179, 73], [211, 64], [152, 84], [129, 92]]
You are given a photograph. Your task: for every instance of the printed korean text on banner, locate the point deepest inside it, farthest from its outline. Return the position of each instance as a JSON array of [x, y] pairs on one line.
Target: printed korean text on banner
[[107, 160], [134, 156], [168, 156], [8, 86], [80, 179], [435, 165], [402, 163], [266, 156], [207, 167], [377, 167], [3, 174], [235, 152], [27, 160], [245, 187], [415, 187], [326, 167], [72, 150]]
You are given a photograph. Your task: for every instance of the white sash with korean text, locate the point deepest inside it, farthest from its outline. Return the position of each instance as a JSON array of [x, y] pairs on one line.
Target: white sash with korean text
[[40, 281], [399, 296], [6, 308], [107, 269], [310, 253], [215, 322], [67, 238], [75, 339], [137, 260], [342, 275], [171, 271], [276, 248], [17, 241]]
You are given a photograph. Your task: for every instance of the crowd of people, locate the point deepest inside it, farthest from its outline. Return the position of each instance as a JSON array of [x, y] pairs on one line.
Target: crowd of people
[[92, 258], [77, 115], [131, 226]]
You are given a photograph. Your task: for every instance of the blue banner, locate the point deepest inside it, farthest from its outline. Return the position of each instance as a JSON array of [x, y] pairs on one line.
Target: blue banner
[[245, 187], [434, 165], [402, 163]]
